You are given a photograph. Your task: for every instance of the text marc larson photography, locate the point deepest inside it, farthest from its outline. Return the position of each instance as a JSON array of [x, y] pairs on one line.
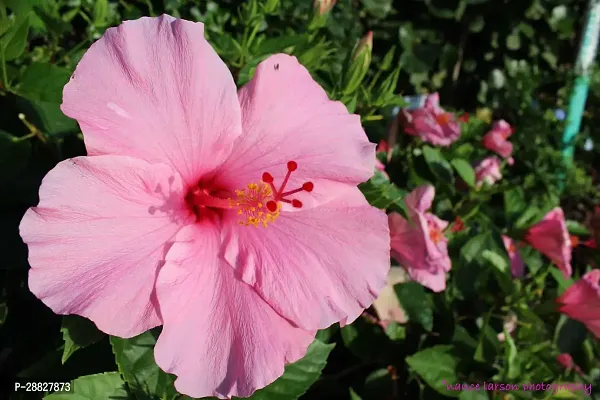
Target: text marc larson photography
[[506, 387]]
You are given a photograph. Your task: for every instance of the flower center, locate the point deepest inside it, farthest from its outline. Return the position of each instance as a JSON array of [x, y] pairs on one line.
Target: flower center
[[574, 240], [443, 119], [435, 233], [257, 203], [512, 249]]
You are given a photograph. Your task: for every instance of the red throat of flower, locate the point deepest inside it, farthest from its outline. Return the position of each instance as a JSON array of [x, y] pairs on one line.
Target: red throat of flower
[[574, 241], [435, 235], [258, 203], [443, 119]]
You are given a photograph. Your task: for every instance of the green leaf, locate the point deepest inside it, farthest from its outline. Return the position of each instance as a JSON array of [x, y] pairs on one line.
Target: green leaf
[[473, 395], [100, 12], [353, 395], [247, 72], [559, 277], [530, 217], [381, 193], [488, 344], [274, 45], [438, 164], [135, 359], [47, 117], [299, 376], [378, 384], [395, 331], [14, 41], [359, 337], [576, 228], [465, 171], [325, 335], [474, 247], [512, 368], [437, 367], [502, 270], [514, 204], [94, 387], [43, 82], [386, 63], [416, 302], [513, 41], [78, 332], [477, 24], [377, 8]]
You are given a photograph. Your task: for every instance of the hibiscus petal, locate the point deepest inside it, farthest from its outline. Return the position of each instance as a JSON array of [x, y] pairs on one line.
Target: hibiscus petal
[[288, 116], [317, 266], [97, 237], [219, 336], [421, 198], [425, 261], [154, 89]]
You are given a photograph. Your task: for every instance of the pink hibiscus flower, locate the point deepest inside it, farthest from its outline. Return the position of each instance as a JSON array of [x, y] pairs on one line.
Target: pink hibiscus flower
[[431, 123], [420, 245], [488, 170], [232, 219], [581, 301], [551, 238], [517, 265], [566, 361], [379, 166], [496, 139]]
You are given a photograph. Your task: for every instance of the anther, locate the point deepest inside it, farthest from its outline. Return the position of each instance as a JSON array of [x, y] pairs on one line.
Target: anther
[[296, 203]]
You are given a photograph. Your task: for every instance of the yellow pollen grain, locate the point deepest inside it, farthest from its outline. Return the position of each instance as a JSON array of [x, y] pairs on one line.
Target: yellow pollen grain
[[250, 205]]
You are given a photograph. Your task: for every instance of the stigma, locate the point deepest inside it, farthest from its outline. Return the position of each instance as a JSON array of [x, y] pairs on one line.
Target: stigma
[[260, 203]]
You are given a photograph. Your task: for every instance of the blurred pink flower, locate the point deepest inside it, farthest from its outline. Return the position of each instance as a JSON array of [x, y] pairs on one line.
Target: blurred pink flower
[[458, 225], [431, 123], [566, 361], [517, 266], [496, 139], [165, 213], [551, 238], [381, 167], [382, 147], [581, 301], [420, 245], [488, 170]]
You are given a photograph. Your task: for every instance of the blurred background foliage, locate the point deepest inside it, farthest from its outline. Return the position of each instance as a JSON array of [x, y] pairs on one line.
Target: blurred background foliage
[[510, 59]]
